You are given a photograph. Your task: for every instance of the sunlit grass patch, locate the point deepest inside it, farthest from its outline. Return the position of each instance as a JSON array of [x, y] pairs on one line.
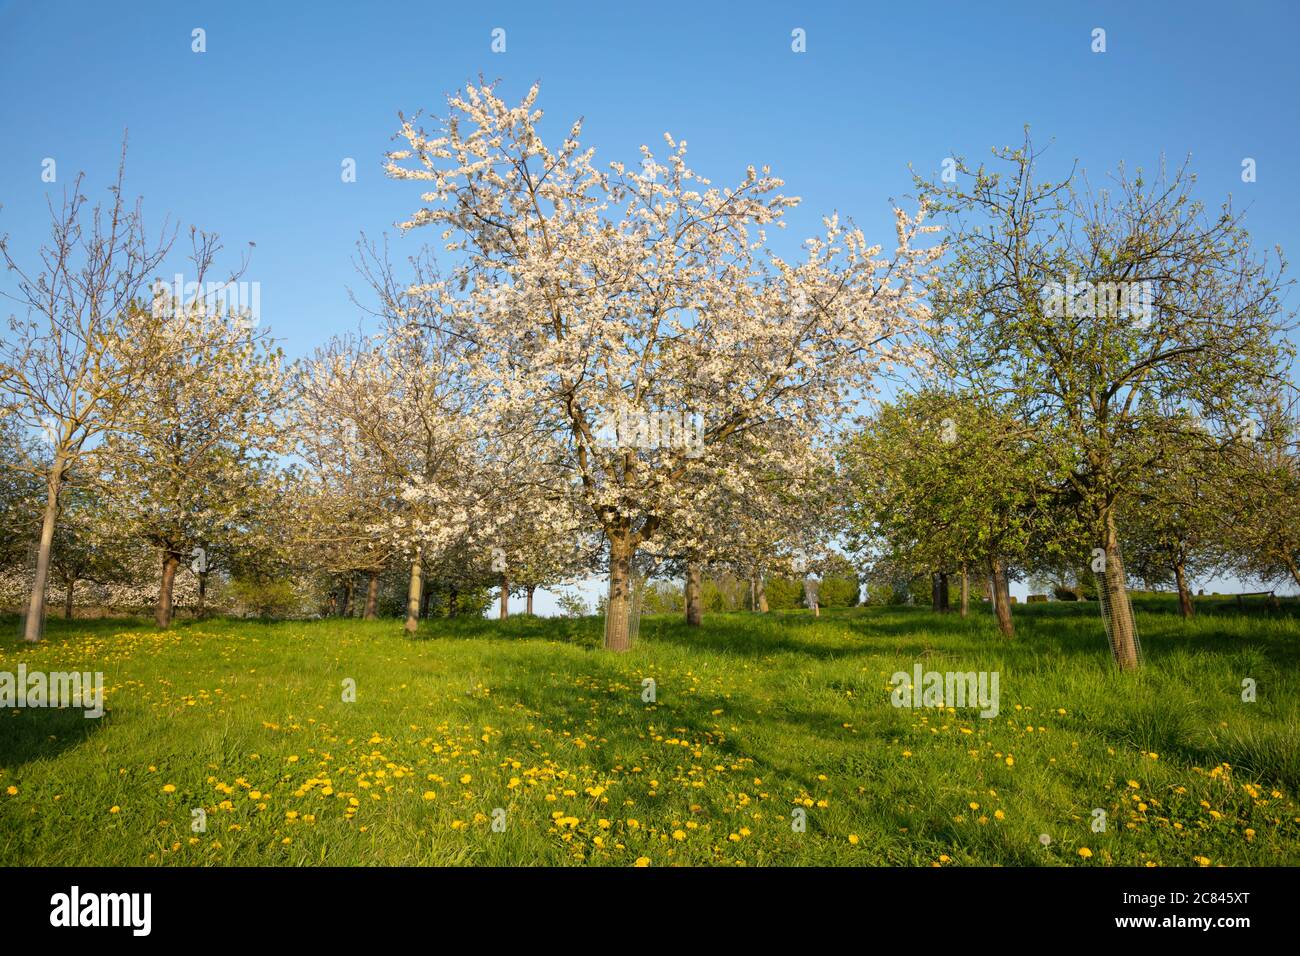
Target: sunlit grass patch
[[522, 743]]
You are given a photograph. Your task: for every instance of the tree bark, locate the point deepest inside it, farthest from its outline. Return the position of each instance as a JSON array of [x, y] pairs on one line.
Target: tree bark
[[345, 605], [67, 599], [372, 597], [1123, 636], [939, 592], [529, 607], [413, 594], [34, 626], [505, 597], [1185, 605], [163, 614], [617, 605], [694, 611], [762, 595], [200, 607], [965, 591], [1001, 596]]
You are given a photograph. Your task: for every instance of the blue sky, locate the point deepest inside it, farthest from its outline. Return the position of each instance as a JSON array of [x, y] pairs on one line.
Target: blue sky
[[247, 139]]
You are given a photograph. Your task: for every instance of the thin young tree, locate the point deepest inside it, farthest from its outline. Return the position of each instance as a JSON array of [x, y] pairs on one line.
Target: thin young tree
[[82, 348]]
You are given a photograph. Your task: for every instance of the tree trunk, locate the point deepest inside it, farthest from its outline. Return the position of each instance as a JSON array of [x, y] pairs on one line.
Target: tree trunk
[[163, 614], [1001, 596], [617, 606], [67, 599], [1184, 594], [1123, 633], [345, 605], [1295, 572], [939, 592], [762, 595], [529, 607], [505, 597], [372, 597], [34, 626], [413, 594], [965, 591], [694, 611], [200, 607]]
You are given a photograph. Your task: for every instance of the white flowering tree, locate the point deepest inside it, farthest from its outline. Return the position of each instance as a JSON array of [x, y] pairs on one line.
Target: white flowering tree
[[348, 489], [754, 517], [536, 531], [587, 296], [90, 547], [200, 433], [401, 399]]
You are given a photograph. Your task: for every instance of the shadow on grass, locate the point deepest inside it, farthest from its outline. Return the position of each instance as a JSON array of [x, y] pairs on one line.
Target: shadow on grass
[[581, 631], [595, 692], [35, 733], [1063, 629]]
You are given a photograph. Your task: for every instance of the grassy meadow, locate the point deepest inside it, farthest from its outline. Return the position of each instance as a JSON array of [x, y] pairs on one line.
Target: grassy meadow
[[754, 717]]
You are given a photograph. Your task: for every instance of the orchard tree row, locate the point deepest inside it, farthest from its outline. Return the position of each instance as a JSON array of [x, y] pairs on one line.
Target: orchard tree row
[[608, 368]]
